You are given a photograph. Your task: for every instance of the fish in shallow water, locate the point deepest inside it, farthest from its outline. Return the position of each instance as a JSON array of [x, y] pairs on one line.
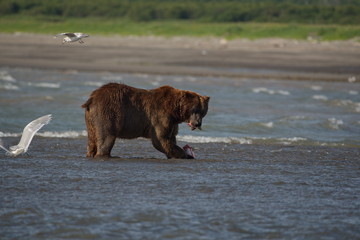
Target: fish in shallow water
[[189, 150]]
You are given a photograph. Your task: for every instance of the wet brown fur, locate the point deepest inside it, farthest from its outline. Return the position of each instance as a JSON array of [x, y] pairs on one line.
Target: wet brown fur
[[120, 111]]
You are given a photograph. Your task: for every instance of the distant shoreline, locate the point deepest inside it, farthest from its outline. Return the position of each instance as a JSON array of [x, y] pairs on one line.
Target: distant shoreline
[[207, 56]]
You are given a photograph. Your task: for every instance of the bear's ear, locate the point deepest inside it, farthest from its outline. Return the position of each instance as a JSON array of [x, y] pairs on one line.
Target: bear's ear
[[204, 99]]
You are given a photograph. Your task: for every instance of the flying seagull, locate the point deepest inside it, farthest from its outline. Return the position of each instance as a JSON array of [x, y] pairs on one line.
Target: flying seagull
[[72, 37], [27, 135]]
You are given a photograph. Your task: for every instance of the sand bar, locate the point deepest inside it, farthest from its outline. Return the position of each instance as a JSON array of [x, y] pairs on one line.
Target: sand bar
[[266, 58]]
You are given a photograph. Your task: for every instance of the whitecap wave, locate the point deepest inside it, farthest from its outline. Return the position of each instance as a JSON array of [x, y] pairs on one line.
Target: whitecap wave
[[50, 134], [320, 97], [293, 139], [191, 79], [203, 139], [157, 81], [267, 125], [5, 76], [197, 139], [316, 88], [294, 118], [154, 83], [9, 86], [245, 140], [290, 140], [354, 106], [45, 85], [353, 92], [3, 134], [269, 91], [94, 84], [334, 123], [66, 134], [184, 138], [109, 78]]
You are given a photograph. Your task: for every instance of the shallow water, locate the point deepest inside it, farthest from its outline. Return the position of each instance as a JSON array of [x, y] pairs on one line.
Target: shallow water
[[241, 110], [236, 192], [276, 159]]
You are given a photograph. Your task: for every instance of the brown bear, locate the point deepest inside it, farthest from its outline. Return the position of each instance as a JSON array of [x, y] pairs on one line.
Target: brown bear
[[120, 111]]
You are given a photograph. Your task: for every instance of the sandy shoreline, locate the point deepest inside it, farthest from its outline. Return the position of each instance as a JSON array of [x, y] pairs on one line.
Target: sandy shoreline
[[268, 58]]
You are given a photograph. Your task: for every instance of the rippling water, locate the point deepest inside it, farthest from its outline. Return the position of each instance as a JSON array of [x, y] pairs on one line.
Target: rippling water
[[241, 111], [276, 159]]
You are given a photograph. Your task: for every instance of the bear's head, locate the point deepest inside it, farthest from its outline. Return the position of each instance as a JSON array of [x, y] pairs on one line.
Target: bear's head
[[193, 108]]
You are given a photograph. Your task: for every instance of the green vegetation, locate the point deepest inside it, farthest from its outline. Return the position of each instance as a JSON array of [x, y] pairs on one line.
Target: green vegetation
[[297, 19], [105, 26], [299, 11]]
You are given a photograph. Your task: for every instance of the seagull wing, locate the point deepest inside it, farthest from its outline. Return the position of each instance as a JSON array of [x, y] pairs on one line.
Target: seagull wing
[[66, 34], [1, 146], [81, 35], [31, 129]]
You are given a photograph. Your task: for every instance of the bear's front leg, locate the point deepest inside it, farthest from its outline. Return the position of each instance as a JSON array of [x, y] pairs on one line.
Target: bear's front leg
[[180, 153], [169, 147], [174, 151]]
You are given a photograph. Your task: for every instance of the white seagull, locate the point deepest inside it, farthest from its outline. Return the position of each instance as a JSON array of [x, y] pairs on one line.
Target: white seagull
[[29, 131], [72, 37]]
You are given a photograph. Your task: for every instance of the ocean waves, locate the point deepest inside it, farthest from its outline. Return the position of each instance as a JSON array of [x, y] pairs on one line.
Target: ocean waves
[[9, 82], [241, 111], [50, 134], [286, 141], [270, 91], [203, 139]]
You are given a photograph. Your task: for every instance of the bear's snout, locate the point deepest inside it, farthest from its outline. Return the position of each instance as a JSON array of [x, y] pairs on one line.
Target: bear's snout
[[195, 125]]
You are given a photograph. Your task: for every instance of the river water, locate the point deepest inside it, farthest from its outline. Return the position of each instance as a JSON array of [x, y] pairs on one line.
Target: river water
[[275, 159]]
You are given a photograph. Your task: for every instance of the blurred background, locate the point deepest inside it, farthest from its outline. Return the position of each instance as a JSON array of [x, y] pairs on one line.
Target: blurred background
[[296, 19]]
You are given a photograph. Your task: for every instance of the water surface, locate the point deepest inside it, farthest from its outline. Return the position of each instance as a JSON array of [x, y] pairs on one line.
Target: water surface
[[276, 159]]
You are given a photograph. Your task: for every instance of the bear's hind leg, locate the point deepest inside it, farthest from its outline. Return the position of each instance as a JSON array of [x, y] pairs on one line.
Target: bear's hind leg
[[91, 149], [104, 146]]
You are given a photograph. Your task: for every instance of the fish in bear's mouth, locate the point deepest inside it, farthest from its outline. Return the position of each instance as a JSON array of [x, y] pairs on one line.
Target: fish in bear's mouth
[[192, 127]]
